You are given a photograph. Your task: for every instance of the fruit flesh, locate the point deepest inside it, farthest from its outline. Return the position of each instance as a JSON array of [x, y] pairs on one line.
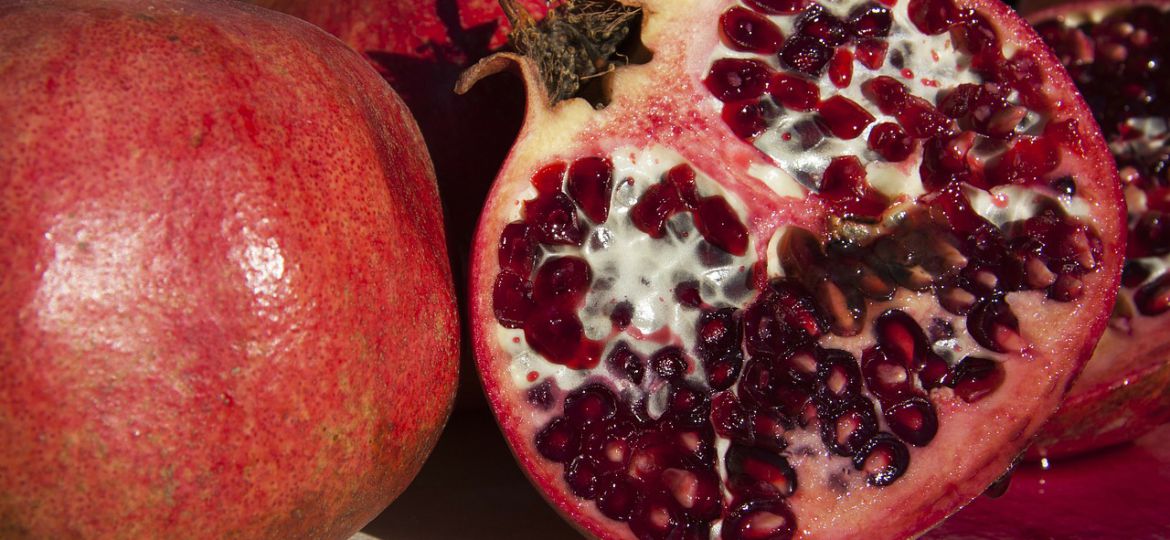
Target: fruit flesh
[[657, 121], [1123, 391], [204, 294]]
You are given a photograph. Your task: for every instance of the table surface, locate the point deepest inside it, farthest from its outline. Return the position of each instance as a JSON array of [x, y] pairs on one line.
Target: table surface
[[471, 489]]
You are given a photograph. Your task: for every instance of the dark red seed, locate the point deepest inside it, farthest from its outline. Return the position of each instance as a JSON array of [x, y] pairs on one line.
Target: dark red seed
[[554, 219], [838, 377], [748, 119], [1026, 161], [590, 184], [731, 419], [805, 54], [682, 177], [974, 378], [795, 92], [754, 472], [884, 459], [590, 404], [913, 420], [845, 189], [616, 496], [920, 119], [958, 102], [888, 379], [687, 294], [1134, 273], [717, 333], [581, 475], [622, 315], [778, 7], [818, 23], [717, 221], [933, 372], [747, 31], [994, 326], [670, 363], [844, 118], [657, 204], [556, 334], [975, 36], [1153, 298], [900, 337], [559, 441], [872, 52], [626, 363], [841, 68], [783, 318], [870, 21], [549, 179], [761, 519], [563, 281], [933, 16], [511, 299], [737, 79], [847, 427], [517, 249], [886, 92], [723, 371], [891, 142]]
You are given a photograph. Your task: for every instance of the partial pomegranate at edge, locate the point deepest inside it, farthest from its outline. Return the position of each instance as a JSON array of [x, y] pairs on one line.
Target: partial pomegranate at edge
[[809, 270], [1115, 52], [225, 305]]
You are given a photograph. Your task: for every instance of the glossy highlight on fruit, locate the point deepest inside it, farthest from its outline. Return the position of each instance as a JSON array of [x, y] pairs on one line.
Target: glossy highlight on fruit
[[836, 282], [1115, 53], [226, 305]]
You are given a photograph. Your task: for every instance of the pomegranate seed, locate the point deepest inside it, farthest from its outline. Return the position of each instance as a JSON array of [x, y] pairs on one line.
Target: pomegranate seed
[[589, 404], [845, 189], [872, 53], [656, 205], [747, 31], [548, 179], [626, 363], [921, 120], [1025, 162], [554, 219], [846, 428], [590, 184], [670, 363], [883, 458], [563, 281], [870, 21], [1154, 297], [844, 118], [913, 421], [581, 475], [754, 472], [784, 318], [557, 335], [748, 119], [838, 376], [891, 142], [933, 17], [622, 315], [805, 54], [517, 249], [616, 496], [737, 79], [825, 27], [541, 395], [887, 93], [717, 222], [886, 378], [841, 68], [511, 299], [794, 92], [559, 441], [975, 36], [767, 519], [975, 378]]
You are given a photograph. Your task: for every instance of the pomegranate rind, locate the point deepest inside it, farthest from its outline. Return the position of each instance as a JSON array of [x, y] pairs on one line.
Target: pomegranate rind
[[653, 104], [1124, 391]]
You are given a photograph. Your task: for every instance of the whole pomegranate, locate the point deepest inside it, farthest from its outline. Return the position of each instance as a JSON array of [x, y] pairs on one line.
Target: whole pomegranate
[[808, 270], [1115, 52], [225, 303], [421, 47]]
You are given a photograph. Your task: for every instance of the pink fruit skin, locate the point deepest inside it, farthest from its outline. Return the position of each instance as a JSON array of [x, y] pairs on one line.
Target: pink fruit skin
[[421, 47], [225, 305]]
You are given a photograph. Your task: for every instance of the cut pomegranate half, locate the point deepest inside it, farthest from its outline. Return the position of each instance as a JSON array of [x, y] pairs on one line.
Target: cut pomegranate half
[[751, 290], [1116, 53]]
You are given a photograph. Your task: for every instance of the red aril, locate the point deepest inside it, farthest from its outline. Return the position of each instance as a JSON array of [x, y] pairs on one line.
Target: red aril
[[225, 304], [808, 328], [1115, 52]]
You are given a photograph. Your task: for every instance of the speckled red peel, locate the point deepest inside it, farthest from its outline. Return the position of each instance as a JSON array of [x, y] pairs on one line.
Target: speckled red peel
[[1114, 51], [224, 295], [766, 291]]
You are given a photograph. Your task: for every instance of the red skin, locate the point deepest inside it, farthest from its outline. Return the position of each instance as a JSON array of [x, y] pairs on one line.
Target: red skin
[[226, 309], [421, 47]]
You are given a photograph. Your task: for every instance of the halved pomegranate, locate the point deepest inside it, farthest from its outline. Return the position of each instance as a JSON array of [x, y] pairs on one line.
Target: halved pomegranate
[[1116, 53], [810, 270]]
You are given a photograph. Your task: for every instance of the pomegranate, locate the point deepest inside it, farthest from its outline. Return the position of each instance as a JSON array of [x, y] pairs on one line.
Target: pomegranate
[[787, 268], [420, 47], [225, 300], [1114, 52]]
